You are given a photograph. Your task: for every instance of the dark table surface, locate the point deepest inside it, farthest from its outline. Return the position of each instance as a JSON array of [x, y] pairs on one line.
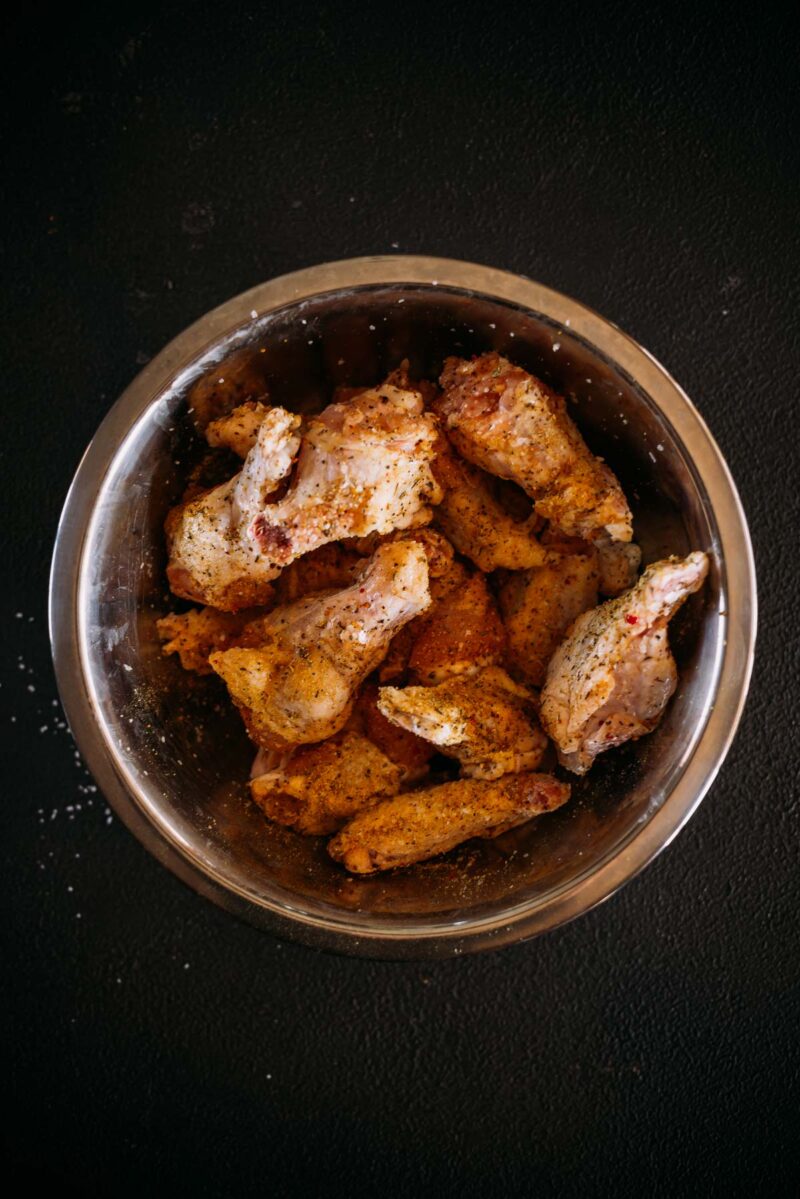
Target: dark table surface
[[161, 158]]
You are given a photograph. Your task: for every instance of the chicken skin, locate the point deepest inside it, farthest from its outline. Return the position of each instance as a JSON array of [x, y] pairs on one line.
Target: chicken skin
[[485, 720], [298, 685], [195, 634], [477, 524], [318, 788], [503, 419], [539, 605], [364, 466], [459, 633], [422, 824], [612, 677], [463, 634], [212, 558]]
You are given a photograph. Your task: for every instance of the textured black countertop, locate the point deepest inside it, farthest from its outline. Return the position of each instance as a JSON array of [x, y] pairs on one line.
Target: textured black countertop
[[161, 158]]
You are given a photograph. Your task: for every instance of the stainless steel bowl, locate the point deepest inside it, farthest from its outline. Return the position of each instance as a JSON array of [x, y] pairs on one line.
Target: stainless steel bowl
[[171, 756]]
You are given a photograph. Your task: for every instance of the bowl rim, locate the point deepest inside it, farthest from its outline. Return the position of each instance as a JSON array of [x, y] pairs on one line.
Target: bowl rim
[[521, 921]]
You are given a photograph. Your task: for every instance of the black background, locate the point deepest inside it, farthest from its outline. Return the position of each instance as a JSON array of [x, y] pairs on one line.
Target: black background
[[160, 158]]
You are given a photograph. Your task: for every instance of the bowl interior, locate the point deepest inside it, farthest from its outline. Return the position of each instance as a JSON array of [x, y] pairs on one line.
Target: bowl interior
[[176, 739]]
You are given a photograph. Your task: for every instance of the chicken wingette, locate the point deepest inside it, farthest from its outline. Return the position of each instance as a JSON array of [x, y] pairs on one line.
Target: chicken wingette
[[485, 720], [477, 524], [422, 824], [364, 466], [511, 424]]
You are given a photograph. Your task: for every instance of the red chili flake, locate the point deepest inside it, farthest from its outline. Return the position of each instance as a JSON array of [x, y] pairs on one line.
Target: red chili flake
[[632, 619]]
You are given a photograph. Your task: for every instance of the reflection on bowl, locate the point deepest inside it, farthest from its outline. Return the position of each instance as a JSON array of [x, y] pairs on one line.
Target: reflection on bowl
[[167, 748]]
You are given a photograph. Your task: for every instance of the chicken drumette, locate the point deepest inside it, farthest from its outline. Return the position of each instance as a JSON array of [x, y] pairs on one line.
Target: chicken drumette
[[611, 679], [511, 424], [298, 685]]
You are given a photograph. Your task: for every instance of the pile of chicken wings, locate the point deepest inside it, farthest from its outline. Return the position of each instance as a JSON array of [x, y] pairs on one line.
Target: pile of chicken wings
[[413, 572]]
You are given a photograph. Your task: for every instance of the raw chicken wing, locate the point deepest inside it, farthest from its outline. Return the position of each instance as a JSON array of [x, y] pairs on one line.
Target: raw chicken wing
[[319, 787], [298, 685], [421, 824], [539, 605], [610, 680], [212, 558], [511, 424], [364, 466], [485, 720]]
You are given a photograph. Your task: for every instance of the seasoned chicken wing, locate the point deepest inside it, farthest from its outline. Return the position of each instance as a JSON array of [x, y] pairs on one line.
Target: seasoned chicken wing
[[212, 558], [318, 788], [421, 824], [612, 677], [298, 685], [195, 634], [464, 633], [539, 605], [503, 419], [476, 522], [238, 430], [485, 720], [364, 466]]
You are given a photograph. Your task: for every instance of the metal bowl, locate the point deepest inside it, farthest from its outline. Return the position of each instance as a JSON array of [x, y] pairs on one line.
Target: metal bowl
[[166, 747]]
